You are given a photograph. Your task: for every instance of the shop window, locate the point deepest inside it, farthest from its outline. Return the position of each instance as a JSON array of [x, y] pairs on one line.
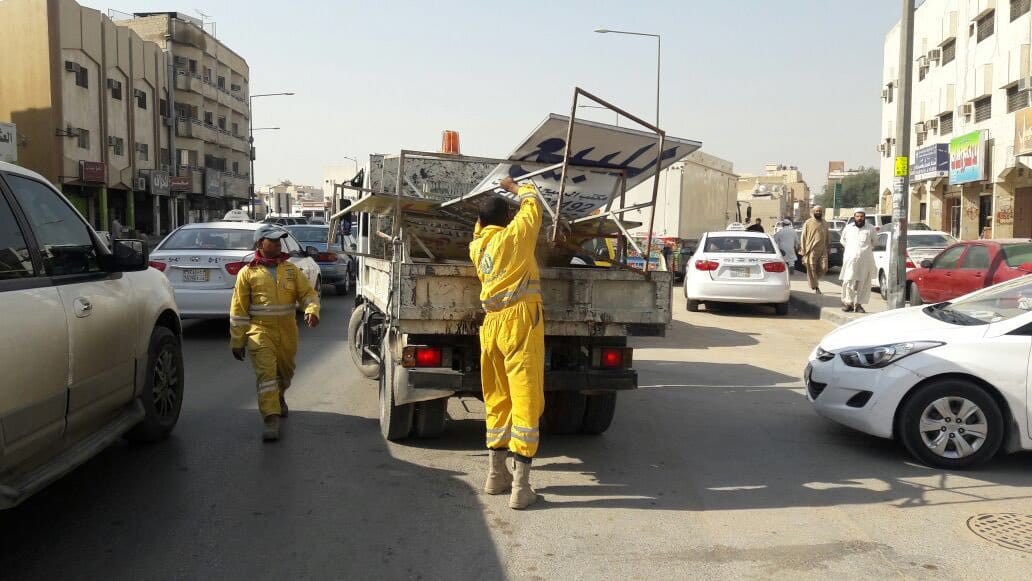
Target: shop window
[[986, 25], [983, 108]]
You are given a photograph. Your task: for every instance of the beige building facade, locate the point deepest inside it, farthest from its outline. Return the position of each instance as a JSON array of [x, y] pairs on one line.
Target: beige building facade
[[89, 100], [211, 110], [781, 192]]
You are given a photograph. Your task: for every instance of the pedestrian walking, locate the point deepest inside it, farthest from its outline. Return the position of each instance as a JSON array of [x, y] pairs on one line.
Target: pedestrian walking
[[756, 226], [261, 318], [857, 263], [814, 248], [117, 230], [787, 241], [512, 338]]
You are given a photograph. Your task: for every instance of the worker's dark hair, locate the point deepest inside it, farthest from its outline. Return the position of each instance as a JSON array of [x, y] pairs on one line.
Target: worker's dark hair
[[494, 212]]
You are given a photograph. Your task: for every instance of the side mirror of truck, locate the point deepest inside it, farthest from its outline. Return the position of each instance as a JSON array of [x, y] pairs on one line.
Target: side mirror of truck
[[128, 256]]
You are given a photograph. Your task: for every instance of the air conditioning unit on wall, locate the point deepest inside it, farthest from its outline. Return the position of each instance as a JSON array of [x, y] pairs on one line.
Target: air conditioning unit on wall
[[935, 54], [920, 128], [966, 110]]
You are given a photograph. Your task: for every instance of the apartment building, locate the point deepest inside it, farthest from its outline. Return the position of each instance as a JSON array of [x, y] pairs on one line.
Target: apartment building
[[90, 101], [970, 164], [779, 193], [211, 109]]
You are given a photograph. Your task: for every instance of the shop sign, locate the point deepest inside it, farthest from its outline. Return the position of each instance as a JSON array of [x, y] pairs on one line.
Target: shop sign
[[1023, 132], [967, 158], [92, 171], [212, 183], [931, 162], [159, 183], [180, 183]]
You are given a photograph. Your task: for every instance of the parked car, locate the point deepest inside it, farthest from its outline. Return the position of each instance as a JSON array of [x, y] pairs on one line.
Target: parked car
[[835, 250], [285, 220], [920, 246], [879, 221], [966, 267], [836, 224], [335, 266], [202, 261], [949, 380], [90, 343], [737, 267]]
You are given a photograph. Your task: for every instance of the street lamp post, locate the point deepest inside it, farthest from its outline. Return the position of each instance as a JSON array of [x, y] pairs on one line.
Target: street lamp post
[[250, 141], [658, 55]]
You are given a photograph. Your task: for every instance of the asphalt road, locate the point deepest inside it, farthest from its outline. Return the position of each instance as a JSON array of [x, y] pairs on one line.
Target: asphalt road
[[715, 468]]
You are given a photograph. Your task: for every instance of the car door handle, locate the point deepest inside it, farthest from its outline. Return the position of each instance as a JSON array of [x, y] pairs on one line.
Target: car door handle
[[83, 307]]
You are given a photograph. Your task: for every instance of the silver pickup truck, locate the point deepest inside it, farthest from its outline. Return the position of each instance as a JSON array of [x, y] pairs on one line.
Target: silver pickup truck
[[417, 316]]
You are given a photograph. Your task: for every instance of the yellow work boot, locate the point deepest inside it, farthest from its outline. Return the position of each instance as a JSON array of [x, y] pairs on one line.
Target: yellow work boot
[[499, 479], [270, 432], [522, 494]]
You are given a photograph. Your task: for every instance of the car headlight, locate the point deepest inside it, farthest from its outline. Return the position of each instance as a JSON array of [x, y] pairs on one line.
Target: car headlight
[[884, 355], [823, 354]]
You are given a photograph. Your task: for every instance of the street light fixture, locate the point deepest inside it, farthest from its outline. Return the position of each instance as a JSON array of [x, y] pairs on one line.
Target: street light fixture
[[250, 139], [658, 54]]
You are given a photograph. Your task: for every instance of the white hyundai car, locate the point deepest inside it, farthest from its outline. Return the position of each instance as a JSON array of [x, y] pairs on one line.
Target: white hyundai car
[[202, 261], [951, 380], [737, 267]]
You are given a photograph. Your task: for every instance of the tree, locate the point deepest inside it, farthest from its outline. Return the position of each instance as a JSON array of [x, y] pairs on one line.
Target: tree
[[859, 190]]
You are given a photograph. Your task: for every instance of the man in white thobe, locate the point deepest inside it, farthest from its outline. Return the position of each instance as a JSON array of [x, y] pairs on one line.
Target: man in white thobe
[[857, 263], [787, 241]]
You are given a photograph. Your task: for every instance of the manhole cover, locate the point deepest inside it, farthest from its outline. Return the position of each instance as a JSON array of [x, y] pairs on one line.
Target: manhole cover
[[1009, 530]]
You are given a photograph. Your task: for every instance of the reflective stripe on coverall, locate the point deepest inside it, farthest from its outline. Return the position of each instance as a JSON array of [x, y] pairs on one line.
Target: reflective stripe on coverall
[[261, 317], [512, 338]]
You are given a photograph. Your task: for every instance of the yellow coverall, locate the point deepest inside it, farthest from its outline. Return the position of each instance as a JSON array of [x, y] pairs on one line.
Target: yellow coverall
[[261, 316], [512, 338]]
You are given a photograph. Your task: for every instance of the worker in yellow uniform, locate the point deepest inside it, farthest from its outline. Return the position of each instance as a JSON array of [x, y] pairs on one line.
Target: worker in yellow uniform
[[512, 338], [261, 317]]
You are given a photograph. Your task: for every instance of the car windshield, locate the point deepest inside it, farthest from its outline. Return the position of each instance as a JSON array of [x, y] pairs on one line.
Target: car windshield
[[921, 240], [310, 233], [992, 305], [1017, 254], [745, 244], [834, 236], [209, 239]]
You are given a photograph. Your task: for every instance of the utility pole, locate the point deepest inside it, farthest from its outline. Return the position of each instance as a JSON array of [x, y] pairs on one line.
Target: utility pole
[[897, 278]]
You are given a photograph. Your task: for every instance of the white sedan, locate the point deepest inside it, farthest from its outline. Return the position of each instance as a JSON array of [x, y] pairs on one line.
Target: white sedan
[[949, 380], [921, 244], [202, 261], [737, 267]]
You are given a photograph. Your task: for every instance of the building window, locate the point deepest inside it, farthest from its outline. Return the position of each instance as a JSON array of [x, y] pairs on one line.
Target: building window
[[222, 83], [923, 212], [116, 89], [921, 138], [166, 157], [117, 145], [234, 87], [922, 72], [236, 167], [193, 67], [889, 93], [222, 123], [143, 152], [163, 107], [141, 98], [1016, 99], [946, 123], [949, 52], [983, 109], [82, 77], [1019, 7], [986, 25], [209, 118], [236, 129], [84, 138], [207, 75]]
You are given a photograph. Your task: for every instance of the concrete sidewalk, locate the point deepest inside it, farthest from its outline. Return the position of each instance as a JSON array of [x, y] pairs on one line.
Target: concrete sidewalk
[[829, 304]]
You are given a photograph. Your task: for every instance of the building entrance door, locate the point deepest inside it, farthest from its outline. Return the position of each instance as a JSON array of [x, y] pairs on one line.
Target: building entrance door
[[1023, 213], [954, 213]]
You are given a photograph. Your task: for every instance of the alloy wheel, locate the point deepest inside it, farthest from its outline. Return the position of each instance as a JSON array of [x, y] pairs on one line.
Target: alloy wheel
[[953, 427], [164, 383]]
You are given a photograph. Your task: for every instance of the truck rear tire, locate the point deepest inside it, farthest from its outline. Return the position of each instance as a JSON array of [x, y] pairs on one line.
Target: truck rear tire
[[355, 340], [598, 413], [395, 420], [429, 417], [564, 412]]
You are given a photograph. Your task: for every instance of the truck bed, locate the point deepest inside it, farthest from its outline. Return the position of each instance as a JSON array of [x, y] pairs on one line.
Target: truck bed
[[589, 302]]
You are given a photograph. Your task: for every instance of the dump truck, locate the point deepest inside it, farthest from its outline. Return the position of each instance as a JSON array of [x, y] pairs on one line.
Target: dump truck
[[415, 324]]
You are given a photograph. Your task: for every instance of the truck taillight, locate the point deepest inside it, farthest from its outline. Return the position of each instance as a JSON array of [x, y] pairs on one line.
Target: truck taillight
[[613, 357], [158, 265], [706, 265], [776, 266], [422, 357], [234, 267]]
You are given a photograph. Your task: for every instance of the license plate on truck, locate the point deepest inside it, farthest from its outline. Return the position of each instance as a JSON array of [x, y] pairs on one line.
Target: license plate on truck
[[195, 275]]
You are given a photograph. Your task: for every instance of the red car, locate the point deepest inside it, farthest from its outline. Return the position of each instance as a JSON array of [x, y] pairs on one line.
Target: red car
[[966, 267]]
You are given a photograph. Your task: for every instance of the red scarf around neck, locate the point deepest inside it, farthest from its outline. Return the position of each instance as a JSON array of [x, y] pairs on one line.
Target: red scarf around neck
[[260, 260]]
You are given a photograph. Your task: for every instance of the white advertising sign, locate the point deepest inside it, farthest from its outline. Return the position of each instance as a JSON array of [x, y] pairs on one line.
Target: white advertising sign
[[8, 142]]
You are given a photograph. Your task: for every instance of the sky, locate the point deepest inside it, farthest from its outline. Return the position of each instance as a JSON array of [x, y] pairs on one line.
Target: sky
[[757, 81]]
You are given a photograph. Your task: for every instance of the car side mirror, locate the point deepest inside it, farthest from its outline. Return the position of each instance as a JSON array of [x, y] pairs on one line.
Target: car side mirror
[[311, 251], [926, 263], [128, 256]]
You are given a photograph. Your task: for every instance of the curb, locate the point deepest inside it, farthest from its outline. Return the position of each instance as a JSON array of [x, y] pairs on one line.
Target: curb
[[830, 314]]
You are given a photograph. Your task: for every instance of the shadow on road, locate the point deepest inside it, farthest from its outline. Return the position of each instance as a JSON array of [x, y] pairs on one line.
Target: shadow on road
[[681, 335]]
